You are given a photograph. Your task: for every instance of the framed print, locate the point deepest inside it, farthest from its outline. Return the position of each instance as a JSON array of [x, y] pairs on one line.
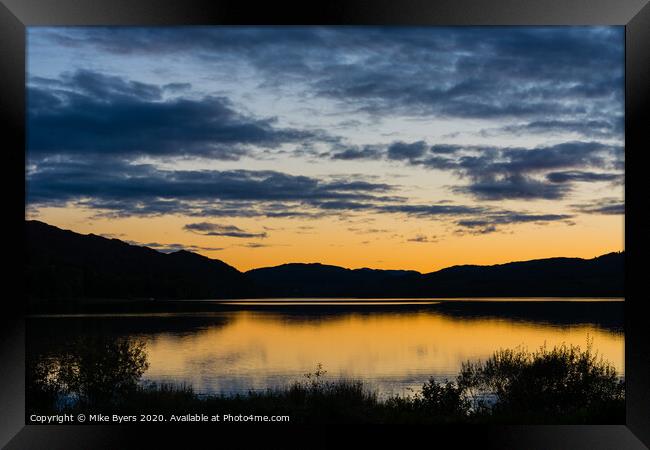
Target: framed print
[[266, 221]]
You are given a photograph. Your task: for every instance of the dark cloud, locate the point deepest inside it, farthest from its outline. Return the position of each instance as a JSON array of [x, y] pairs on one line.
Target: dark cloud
[[566, 154], [250, 209], [85, 83], [423, 239], [512, 187], [140, 189], [366, 152], [496, 173], [440, 209], [171, 248], [93, 114], [480, 73], [536, 74], [474, 160], [213, 229], [607, 127], [177, 87], [508, 217], [475, 219], [550, 79], [491, 221], [403, 150], [607, 206], [437, 162], [576, 175], [344, 205], [124, 190], [476, 227], [255, 245], [515, 173]]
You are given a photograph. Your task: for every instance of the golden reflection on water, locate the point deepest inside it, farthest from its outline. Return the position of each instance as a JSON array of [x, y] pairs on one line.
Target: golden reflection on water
[[391, 351]]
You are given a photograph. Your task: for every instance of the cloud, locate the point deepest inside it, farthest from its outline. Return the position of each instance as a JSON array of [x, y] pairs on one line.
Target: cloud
[[171, 248], [445, 148], [368, 230], [607, 206], [500, 173], [512, 187], [476, 219], [255, 245], [94, 114], [544, 77], [90, 134], [177, 87], [566, 154], [423, 239], [403, 150], [213, 229], [440, 209], [516, 173], [366, 152], [576, 175], [343, 205], [89, 84], [478, 73], [126, 189], [477, 227], [524, 79], [605, 127], [490, 222]]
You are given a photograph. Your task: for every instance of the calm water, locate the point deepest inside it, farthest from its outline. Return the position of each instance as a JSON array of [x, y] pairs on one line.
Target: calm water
[[394, 345]]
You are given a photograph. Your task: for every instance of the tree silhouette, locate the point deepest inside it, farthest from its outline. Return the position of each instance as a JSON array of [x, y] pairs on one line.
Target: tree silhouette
[[95, 370]]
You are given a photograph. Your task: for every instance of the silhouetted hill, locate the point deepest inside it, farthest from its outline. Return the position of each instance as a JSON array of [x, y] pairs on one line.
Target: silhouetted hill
[[319, 280], [62, 264], [601, 276], [65, 265]]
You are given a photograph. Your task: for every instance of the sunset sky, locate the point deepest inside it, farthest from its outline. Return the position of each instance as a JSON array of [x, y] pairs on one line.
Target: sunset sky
[[396, 148]]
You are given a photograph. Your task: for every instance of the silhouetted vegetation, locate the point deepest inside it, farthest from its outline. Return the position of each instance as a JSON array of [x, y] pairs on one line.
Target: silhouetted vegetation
[[561, 385], [89, 372], [545, 386]]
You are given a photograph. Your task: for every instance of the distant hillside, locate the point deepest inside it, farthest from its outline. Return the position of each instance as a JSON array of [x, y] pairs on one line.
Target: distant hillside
[[63, 264], [601, 276], [318, 280], [66, 265]]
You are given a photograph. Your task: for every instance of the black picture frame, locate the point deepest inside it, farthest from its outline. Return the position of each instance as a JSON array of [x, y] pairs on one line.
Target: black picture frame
[[16, 15]]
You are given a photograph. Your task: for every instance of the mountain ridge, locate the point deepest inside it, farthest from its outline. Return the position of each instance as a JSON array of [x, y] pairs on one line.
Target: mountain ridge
[[65, 264]]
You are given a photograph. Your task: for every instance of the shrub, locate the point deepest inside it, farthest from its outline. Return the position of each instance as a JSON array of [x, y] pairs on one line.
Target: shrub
[[95, 370], [545, 385], [444, 399], [562, 385]]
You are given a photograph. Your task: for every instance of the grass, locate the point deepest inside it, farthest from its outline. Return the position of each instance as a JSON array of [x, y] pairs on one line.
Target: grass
[[563, 385]]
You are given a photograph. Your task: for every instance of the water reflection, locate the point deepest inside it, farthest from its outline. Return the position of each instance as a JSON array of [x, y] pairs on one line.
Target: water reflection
[[393, 349]]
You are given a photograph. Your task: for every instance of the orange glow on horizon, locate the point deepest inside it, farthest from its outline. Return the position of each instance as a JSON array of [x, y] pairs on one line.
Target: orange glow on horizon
[[366, 241]]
